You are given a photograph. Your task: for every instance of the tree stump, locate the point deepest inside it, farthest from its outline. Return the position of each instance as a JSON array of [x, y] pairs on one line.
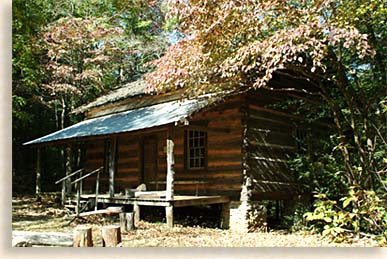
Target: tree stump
[[83, 237], [127, 221], [111, 236]]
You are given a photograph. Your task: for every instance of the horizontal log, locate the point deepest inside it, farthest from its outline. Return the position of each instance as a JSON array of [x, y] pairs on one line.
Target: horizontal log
[[95, 149], [224, 174], [269, 151], [45, 238], [127, 160], [149, 194], [221, 152], [132, 164], [224, 168], [256, 144], [226, 145], [232, 123], [224, 163], [128, 154], [94, 155], [127, 140], [94, 160], [213, 138], [276, 113], [92, 164], [126, 178], [274, 195], [263, 120], [272, 187], [100, 212], [121, 170], [225, 156], [269, 125], [223, 186], [269, 136]]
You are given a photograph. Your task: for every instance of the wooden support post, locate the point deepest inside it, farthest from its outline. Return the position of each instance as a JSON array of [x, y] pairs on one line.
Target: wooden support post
[[96, 191], [170, 170], [112, 165], [111, 236], [68, 155], [136, 211], [126, 221], [63, 196], [225, 216], [169, 215], [83, 237], [79, 192], [38, 171]]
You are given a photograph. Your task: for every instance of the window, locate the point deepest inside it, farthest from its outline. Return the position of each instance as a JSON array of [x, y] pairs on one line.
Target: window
[[196, 149]]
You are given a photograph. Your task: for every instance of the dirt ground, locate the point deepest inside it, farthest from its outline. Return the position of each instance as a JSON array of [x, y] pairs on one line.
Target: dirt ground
[[45, 215]]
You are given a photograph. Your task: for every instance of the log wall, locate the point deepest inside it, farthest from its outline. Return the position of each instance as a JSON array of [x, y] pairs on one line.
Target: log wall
[[222, 175], [268, 144], [243, 136]]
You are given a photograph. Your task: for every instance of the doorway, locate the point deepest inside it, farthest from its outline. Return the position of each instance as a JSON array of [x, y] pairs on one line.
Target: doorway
[[149, 162]]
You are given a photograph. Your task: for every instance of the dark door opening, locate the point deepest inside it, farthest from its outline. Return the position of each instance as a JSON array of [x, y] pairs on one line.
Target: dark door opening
[[149, 163]]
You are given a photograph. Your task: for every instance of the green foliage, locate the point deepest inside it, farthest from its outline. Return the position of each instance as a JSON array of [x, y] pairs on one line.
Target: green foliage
[[88, 59], [296, 220], [359, 213]]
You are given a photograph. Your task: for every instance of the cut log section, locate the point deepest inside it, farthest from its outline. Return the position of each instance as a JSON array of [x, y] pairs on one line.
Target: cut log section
[[31, 238], [83, 236], [127, 221], [111, 236]]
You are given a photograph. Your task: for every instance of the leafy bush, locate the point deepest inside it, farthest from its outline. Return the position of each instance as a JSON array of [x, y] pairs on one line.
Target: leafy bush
[[359, 213]]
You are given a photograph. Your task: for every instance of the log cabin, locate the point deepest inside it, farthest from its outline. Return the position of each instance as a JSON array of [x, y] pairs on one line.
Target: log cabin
[[223, 148]]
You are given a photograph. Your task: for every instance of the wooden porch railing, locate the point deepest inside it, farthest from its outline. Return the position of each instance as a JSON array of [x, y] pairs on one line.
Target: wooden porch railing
[[79, 183]]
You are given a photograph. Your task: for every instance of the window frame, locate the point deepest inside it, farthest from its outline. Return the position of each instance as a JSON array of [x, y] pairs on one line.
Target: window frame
[[187, 149]]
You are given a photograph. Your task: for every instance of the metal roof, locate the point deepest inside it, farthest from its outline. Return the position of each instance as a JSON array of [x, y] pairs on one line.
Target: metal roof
[[141, 118]]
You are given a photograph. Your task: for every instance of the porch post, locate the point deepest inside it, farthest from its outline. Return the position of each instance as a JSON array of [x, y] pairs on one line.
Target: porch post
[[68, 168], [170, 181], [112, 165], [170, 170], [38, 171], [66, 185]]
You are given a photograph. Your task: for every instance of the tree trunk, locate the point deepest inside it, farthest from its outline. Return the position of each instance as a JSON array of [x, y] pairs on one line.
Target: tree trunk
[[38, 171]]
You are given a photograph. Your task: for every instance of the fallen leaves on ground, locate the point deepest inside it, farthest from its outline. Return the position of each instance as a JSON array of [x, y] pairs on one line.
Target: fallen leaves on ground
[[31, 215]]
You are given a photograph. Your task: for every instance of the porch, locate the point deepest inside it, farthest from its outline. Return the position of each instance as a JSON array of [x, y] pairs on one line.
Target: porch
[[158, 199]]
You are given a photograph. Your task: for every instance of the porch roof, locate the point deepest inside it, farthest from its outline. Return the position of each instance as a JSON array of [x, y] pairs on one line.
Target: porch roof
[[136, 119]]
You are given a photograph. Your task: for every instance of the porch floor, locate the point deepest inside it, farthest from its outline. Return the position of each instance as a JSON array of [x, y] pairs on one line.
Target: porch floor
[[177, 201], [169, 204]]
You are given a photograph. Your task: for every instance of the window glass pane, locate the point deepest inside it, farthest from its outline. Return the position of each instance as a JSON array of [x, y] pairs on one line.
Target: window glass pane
[[196, 149]]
